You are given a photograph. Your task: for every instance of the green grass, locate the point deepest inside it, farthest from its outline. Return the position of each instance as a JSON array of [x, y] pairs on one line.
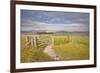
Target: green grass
[[29, 54], [33, 55], [73, 47], [58, 40], [76, 49]]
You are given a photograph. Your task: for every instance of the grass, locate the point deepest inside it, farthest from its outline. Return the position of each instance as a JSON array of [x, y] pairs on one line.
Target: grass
[[33, 55], [73, 47], [61, 40], [76, 49]]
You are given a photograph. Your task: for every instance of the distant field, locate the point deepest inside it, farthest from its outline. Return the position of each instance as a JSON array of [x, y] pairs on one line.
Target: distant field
[[76, 49], [68, 47]]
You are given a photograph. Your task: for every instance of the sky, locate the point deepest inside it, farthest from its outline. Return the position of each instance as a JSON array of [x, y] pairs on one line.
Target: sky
[[37, 20]]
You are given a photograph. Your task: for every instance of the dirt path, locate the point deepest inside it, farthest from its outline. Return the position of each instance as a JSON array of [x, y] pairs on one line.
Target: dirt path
[[48, 50]]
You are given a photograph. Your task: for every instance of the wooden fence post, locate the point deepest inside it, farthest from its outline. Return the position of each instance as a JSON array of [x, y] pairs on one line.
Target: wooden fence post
[[31, 41], [35, 42]]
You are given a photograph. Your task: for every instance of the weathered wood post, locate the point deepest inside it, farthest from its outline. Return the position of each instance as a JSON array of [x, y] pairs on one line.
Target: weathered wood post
[[36, 37], [31, 41], [35, 41], [27, 41]]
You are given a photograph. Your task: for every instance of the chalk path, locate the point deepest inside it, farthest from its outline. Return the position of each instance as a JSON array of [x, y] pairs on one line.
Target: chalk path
[[48, 50]]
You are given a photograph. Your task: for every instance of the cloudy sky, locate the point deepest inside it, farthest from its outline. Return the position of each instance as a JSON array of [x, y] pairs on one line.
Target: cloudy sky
[[36, 20]]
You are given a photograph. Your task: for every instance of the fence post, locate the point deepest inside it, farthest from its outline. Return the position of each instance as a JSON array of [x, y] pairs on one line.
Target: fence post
[[31, 40], [35, 42]]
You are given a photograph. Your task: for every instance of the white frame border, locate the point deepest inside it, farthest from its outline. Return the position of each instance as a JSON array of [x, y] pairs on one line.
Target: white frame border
[[58, 63]]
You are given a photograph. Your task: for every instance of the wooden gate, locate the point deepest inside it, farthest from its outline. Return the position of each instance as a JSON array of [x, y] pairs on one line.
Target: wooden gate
[[38, 41]]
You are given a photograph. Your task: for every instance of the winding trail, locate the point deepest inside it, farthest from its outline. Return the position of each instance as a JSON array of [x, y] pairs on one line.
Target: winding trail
[[49, 51]]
